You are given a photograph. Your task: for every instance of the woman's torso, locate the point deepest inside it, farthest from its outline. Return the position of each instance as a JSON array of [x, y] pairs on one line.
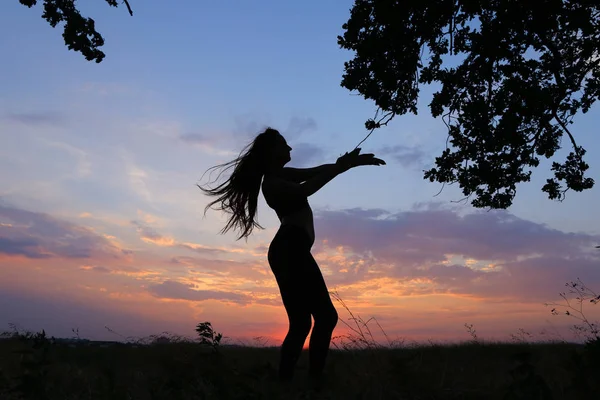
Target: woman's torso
[[301, 217], [304, 219]]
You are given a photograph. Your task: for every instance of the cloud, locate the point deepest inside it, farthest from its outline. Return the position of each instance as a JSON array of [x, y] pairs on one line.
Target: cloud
[[180, 291], [96, 268], [487, 254], [83, 165], [306, 154], [202, 249], [38, 235], [196, 138], [27, 247], [255, 271], [297, 126], [532, 279], [150, 235], [404, 155], [215, 144], [419, 236], [57, 315], [248, 126], [37, 118], [137, 177]]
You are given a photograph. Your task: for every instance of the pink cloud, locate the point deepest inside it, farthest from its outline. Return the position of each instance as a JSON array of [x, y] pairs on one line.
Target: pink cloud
[[510, 257], [150, 235], [410, 269], [177, 290], [96, 268], [38, 235], [416, 237]]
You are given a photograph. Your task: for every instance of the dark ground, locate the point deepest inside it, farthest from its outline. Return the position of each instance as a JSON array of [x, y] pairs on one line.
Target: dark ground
[[39, 368]]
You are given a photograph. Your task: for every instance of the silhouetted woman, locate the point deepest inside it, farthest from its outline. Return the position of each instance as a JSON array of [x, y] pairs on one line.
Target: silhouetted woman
[[286, 190]]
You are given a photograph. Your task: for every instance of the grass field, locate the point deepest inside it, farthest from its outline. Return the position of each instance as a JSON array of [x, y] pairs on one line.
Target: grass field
[[166, 366], [33, 366]]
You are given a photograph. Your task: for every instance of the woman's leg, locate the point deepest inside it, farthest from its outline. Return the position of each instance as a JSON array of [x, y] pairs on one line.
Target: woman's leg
[[304, 292], [287, 258], [325, 315], [300, 324]]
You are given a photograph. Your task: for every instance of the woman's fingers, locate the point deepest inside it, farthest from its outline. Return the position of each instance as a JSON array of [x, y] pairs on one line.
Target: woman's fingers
[[355, 152], [368, 159]]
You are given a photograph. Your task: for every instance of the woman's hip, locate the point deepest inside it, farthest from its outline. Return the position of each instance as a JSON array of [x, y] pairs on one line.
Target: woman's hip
[[290, 250], [291, 239]]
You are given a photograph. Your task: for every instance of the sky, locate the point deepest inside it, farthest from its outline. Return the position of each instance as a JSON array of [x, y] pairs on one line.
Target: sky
[[102, 227]]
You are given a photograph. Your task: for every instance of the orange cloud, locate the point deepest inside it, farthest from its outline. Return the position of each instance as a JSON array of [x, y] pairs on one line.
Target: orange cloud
[[393, 280], [161, 241]]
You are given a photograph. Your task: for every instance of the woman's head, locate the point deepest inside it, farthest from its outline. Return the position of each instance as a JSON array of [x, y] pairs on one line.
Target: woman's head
[[238, 195], [271, 148]]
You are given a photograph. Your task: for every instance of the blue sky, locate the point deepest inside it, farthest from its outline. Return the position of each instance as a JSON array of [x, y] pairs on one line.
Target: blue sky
[[100, 146]]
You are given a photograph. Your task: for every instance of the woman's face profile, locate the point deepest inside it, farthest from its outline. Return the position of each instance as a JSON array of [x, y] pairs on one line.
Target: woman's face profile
[[281, 151]]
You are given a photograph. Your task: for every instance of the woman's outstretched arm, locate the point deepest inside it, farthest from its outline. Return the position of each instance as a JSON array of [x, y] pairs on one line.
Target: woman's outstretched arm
[[300, 175], [285, 187]]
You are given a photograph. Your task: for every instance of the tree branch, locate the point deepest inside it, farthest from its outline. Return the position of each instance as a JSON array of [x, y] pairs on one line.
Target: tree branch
[[128, 7], [562, 88], [564, 127], [557, 60], [389, 115]]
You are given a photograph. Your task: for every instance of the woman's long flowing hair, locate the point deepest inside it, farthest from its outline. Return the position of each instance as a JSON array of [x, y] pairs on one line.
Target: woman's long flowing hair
[[238, 195]]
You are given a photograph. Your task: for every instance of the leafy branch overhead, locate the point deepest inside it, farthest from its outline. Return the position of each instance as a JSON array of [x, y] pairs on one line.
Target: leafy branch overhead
[[527, 69], [79, 32]]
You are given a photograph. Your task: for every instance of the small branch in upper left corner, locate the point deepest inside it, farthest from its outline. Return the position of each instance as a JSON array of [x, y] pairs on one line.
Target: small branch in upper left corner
[[128, 7]]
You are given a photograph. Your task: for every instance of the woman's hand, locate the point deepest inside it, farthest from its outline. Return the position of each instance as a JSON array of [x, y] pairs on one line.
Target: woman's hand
[[369, 159], [354, 159], [348, 160]]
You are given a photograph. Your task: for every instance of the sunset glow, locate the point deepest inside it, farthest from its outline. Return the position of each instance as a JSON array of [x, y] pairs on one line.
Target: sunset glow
[[103, 229]]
